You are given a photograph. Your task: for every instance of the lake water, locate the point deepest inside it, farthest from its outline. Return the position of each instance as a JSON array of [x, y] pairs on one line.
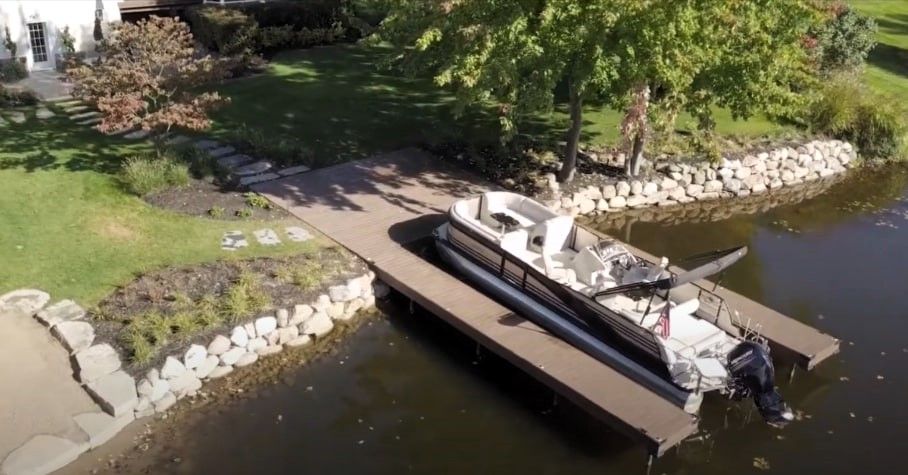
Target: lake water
[[408, 394]]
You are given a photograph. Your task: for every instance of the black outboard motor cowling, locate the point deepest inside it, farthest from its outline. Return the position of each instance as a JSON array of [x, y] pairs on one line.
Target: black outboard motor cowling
[[753, 374]]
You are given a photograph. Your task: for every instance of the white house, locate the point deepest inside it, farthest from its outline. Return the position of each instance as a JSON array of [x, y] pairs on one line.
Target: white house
[[36, 27]]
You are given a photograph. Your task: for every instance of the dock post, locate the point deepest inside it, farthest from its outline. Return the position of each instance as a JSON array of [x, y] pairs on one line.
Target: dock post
[[649, 463], [791, 375]]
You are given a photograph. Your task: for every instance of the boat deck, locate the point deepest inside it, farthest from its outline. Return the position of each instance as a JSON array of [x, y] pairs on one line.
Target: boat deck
[[384, 207]]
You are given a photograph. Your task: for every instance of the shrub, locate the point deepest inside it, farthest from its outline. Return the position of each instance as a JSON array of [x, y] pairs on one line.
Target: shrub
[[256, 200], [226, 30], [12, 70], [370, 11], [845, 39], [311, 14], [847, 110], [143, 175], [16, 98], [216, 212], [243, 213], [244, 297]]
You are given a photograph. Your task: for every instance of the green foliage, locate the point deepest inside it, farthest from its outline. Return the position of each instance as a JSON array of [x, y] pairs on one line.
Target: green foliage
[[12, 70], [370, 11], [67, 40], [245, 297], [282, 150], [311, 14], [847, 110], [845, 40], [244, 213], [256, 200], [147, 174], [226, 30], [305, 276], [216, 212], [17, 97]]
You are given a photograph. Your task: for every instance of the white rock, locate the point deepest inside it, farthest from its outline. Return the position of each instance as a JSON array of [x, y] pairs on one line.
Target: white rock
[[220, 372], [239, 337], [153, 375], [352, 307], [250, 330], [594, 193], [677, 193], [219, 345], [283, 317], [617, 202], [758, 188], [636, 201], [96, 361], [144, 388], [300, 314], [302, 340], [319, 324], [62, 311], [623, 189], [636, 187], [694, 190], [602, 205], [347, 292], [184, 385], [287, 334], [726, 173], [207, 366], [668, 184], [733, 185], [75, 336], [742, 173], [247, 360], [609, 192], [336, 310], [255, 344], [159, 388], [165, 403], [322, 303], [269, 350], [232, 355], [115, 393], [172, 368], [26, 300], [712, 186], [587, 206], [194, 356], [265, 325]]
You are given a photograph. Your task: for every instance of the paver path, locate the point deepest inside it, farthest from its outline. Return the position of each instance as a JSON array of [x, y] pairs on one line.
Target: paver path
[[38, 394]]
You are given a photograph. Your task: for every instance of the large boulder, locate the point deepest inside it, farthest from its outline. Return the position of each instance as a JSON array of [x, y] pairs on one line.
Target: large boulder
[[96, 361]]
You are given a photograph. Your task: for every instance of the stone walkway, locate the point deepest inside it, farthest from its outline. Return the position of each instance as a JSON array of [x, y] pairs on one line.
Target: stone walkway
[[38, 397], [235, 240]]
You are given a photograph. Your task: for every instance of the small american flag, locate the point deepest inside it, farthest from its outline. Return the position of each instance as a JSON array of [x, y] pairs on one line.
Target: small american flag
[[664, 322]]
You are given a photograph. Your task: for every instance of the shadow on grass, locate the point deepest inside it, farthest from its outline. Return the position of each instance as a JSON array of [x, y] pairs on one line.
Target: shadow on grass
[[341, 103], [59, 144], [894, 24], [890, 58]]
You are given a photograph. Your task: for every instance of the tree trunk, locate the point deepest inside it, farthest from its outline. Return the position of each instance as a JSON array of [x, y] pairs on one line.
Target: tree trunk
[[573, 137], [632, 164]]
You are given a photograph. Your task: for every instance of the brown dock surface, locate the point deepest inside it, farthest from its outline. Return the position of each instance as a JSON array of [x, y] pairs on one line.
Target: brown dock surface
[[376, 207]]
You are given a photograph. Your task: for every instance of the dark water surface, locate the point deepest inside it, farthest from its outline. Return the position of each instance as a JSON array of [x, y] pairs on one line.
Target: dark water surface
[[408, 394]]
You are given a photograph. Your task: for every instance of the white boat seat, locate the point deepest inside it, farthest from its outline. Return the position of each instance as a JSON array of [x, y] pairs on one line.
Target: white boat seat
[[551, 235], [587, 266], [558, 270]]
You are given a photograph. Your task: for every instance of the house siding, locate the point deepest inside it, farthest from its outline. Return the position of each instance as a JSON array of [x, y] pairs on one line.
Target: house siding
[[78, 15]]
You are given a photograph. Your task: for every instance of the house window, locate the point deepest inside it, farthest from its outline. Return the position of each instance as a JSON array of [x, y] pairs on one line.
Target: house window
[[38, 40]]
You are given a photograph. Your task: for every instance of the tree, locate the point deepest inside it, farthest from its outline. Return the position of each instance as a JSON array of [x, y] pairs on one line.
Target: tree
[[150, 78], [746, 56], [651, 58], [512, 53], [845, 39]]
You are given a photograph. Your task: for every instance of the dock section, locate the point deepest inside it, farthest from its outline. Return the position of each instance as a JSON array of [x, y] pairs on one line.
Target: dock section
[[382, 207], [378, 208]]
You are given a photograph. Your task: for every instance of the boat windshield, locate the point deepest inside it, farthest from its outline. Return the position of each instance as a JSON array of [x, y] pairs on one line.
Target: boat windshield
[[716, 262]]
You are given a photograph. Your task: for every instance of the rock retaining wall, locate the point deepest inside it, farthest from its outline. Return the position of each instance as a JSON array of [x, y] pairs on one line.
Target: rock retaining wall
[[681, 183]]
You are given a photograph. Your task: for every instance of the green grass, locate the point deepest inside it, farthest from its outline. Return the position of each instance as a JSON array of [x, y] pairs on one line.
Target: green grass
[[342, 106], [887, 69], [69, 227]]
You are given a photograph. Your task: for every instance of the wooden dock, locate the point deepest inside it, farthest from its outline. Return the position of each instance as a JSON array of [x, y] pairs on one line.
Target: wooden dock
[[380, 208]]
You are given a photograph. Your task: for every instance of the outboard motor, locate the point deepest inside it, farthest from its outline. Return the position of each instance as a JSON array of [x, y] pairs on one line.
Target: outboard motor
[[754, 375]]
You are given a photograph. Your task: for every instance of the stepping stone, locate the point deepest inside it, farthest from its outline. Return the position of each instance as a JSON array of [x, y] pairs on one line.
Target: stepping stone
[[293, 170], [115, 393], [101, 427], [233, 240], [27, 300], [266, 237], [233, 161], [16, 117], [252, 169], [75, 109], [62, 311], [251, 180], [96, 361], [177, 140], [298, 234], [206, 144], [92, 121], [42, 454], [75, 336], [85, 115], [221, 151], [138, 134], [69, 102], [44, 113]]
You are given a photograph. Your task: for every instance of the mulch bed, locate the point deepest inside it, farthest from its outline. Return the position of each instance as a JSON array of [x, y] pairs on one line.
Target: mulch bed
[[159, 291], [200, 196]]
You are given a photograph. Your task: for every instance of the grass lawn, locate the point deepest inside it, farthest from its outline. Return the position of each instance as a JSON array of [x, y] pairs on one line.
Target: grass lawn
[[336, 100], [887, 69], [67, 226]]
